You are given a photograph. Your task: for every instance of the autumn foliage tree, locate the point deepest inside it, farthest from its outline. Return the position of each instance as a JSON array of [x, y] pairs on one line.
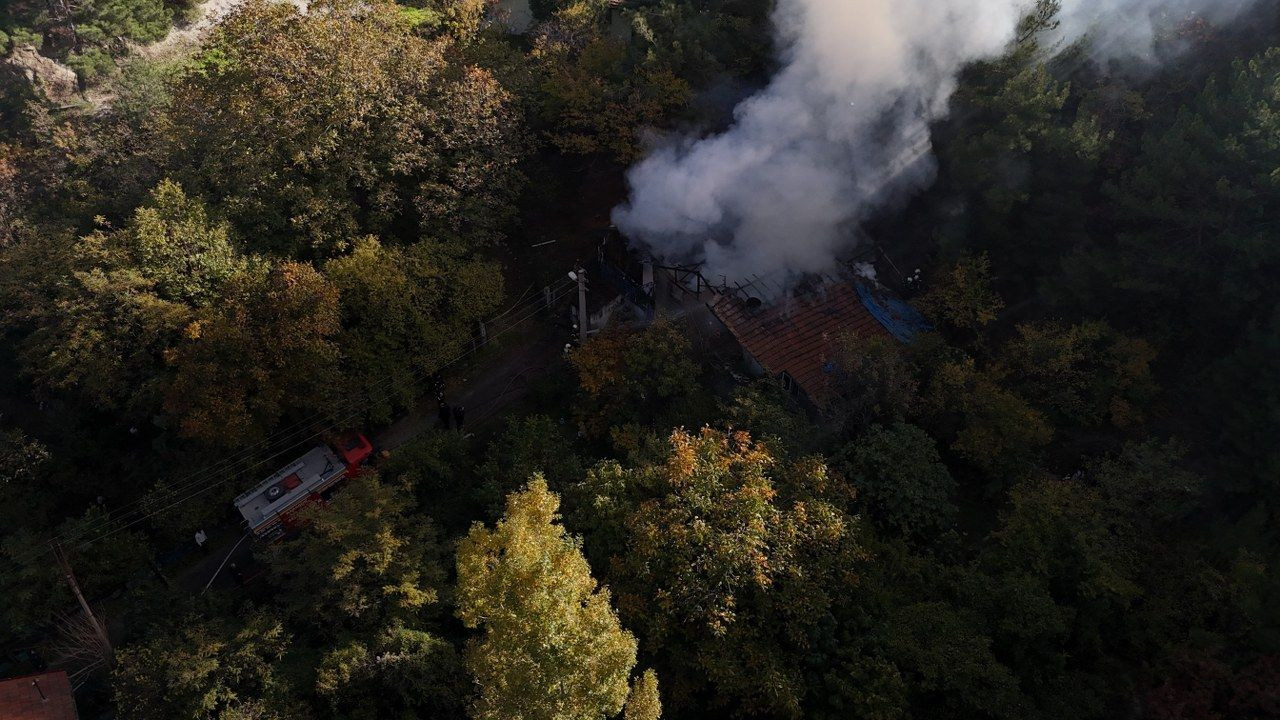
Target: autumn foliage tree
[[633, 377], [122, 298], [362, 561], [265, 351], [314, 129], [643, 702], [962, 297], [399, 672], [1085, 374], [970, 405], [724, 575], [205, 669], [596, 94], [406, 312], [552, 647]]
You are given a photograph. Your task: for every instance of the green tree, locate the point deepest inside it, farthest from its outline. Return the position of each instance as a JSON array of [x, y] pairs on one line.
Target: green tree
[[456, 18], [314, 129], [1149, 491], [599, 505], [1194, 212], [860, 687], [204, 669], [86, 34], [1085, 374], [406, 312], [24, 464], [32, 589], [533, 445], [766, 410], [1020, 154], [173, 242], [105, 340], [362, 562], [899, 474], [876, 382], [703, 42], [723, 576], [1241, 398], [1060, 575], [948, 664], [121, 299], [434, 465], [552, 646], [400, 673], [266, 350]]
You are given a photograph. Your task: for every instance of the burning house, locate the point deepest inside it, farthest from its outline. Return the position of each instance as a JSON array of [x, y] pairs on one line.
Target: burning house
[[790, 332], [622, 283], [774, 329]]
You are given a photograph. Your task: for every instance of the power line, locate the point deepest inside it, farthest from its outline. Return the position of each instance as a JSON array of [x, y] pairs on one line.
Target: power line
[[224, 562], [197, 491], [298, 433], [195, 479], [305, 435], [350, 416]]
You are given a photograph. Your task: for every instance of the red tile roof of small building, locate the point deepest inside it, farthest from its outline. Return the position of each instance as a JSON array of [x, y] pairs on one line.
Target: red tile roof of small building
[[20, 699], [795, 335]]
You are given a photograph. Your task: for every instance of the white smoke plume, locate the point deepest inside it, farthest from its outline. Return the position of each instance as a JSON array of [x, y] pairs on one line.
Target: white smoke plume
[[842, 127], [1126, 30]]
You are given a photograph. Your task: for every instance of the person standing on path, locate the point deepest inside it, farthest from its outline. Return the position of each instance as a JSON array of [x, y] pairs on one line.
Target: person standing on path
[[459, 413], [236, 574], [202, 541]]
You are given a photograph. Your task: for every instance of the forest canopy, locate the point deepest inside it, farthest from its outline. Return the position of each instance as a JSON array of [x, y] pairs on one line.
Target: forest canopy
[[1057, 498]]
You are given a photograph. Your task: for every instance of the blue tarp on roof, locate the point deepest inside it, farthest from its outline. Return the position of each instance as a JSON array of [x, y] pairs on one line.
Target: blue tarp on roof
[[900, 319]]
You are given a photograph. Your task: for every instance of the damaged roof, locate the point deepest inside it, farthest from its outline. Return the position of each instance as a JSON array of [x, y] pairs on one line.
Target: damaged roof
[[796, 335]]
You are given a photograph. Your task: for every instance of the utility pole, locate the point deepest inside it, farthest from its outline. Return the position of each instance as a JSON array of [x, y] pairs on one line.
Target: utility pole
[[98, 629], [581, 276]]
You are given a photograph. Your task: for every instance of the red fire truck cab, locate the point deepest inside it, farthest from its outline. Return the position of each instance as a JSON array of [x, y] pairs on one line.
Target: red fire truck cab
[[271, 508]]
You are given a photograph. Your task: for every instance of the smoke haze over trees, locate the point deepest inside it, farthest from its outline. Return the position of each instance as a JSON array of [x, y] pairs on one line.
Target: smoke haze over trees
[[1058, 501], [843, 128]]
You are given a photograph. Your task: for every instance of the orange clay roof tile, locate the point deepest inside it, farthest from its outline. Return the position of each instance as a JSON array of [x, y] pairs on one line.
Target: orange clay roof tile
[[52, 699], [796, 335]]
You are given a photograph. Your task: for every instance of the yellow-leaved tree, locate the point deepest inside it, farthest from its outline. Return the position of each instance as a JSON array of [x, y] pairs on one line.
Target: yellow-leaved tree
[[552, 647], [644, 703]]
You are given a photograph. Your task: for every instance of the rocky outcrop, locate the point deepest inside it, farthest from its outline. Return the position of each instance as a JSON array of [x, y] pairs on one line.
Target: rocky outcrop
[[47, 78]]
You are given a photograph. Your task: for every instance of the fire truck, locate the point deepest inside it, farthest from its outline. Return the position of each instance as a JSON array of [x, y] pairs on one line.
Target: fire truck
[[272, 508]]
